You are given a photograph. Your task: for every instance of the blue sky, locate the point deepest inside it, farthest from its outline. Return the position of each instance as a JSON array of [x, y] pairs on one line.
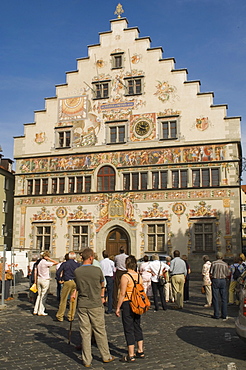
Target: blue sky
[[41, 39]]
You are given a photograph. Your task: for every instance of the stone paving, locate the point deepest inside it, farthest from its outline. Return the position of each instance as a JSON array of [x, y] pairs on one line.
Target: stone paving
[[174, 339]]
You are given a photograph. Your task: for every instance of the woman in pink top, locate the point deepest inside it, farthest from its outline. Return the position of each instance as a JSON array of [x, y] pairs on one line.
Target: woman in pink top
[[43, 283], [146, 276]]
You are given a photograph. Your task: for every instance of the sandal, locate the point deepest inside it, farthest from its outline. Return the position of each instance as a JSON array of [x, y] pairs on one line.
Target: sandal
[[128, 359], [140, 354]]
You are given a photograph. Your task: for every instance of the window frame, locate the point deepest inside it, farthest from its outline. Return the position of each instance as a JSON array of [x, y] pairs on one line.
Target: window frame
[[155, 235], [80, 235], [200, 182], [117, 126], [99, 89], [43, 235], [63, 139], [168, 121], [204, 222], [106, 183], [114, 58], [134, 87]]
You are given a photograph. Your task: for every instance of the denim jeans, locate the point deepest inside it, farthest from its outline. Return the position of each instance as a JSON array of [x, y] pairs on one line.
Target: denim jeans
[[219, 288]]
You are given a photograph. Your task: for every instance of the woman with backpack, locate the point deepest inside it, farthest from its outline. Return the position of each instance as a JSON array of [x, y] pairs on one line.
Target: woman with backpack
[[236, 269], [130, 320]]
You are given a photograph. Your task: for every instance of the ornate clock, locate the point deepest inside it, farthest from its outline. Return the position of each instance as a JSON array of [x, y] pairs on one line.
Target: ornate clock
[[142, 128]]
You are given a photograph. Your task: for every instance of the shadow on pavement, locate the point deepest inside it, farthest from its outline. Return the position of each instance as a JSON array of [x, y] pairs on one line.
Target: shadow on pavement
[[219, 341]]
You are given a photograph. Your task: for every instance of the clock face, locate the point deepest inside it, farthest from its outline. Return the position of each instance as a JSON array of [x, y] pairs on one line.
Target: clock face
[[142, 128]]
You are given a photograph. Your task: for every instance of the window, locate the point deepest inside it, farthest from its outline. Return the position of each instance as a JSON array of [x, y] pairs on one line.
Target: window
[[79, 237], [87, 184], [135, 181], [168, 130], [83, 184], [5, 206], [126, 181], [117, 60], [101, 89], [156, 237], [4, 230], [134, 85], [179, 179], [243, 207], [37, 187], [6, 183], [61, 185], [29, 187], [244, 219], [43, 237], [64, 139], [44, 186], [71, 184], [54, 185], [116, 134], [205, 177], [79, 181], [203, 233], [106, 179]]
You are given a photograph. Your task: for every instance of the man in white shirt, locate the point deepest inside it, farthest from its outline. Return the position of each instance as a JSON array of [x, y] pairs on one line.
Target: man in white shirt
[[107, 266], [43, 283], [157, 268]]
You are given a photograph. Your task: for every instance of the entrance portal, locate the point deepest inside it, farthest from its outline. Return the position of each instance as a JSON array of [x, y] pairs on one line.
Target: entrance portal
[[117, 238]]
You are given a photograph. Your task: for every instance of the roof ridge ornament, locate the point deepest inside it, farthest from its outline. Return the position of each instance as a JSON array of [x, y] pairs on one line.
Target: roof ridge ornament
[[119, 10]]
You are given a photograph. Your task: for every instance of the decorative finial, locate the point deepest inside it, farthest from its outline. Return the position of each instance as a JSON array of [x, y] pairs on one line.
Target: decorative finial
[[119, 10]]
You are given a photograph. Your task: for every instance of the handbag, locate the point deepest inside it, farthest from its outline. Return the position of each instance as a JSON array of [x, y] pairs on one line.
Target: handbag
[[34, 288], [9, 276], [161, 278], [203, 289]]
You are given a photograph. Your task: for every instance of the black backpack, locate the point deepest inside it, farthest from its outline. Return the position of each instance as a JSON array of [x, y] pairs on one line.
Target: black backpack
[[236, 273]]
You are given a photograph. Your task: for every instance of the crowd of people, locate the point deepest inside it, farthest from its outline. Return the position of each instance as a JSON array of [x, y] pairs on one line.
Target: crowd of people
[[95, 288]]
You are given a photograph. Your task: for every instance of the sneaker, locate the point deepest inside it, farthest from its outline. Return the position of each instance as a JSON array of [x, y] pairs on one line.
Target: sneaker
[[225, 318], [207, 305], [43, 314]]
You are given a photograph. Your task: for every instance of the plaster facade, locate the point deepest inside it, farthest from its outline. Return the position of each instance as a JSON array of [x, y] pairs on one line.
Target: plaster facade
[[129, 152]]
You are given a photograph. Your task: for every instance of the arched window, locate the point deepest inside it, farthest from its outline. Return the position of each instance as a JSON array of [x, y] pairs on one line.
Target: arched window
[[106, 179]]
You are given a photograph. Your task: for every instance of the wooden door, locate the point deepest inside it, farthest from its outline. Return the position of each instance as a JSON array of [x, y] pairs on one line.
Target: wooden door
[[117, 238]]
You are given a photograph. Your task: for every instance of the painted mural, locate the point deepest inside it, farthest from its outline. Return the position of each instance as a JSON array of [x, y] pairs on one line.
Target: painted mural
[[39, 137], [72, 109], [115, 206], [148, 119], [155, 212], [165, 92], [153, 196], [79, 214], [202, 123], [43, 215], [126, 158], [203, 210]]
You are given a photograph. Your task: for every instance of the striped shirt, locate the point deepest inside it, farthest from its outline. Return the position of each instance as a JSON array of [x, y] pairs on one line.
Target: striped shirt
[[219, 270]]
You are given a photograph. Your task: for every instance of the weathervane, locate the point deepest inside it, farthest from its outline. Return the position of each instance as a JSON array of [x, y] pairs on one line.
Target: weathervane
[[119, 10]]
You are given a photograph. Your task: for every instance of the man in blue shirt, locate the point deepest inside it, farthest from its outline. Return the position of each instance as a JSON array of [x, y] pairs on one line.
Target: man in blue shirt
[[178, 273], [65, 275]]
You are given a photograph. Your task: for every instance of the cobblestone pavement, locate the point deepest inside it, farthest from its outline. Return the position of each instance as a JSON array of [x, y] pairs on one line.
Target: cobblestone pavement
[[174, 339]]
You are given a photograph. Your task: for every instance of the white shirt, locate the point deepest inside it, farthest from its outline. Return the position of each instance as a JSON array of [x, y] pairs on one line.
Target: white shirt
[[107, 267], [120, 261], [155, 267], [43, 269]]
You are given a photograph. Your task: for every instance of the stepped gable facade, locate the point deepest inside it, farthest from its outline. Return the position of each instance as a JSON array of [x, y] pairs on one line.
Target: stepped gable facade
[[129, 153]]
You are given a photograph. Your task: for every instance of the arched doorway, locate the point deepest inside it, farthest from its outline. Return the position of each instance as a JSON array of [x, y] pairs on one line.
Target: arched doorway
[[117, 238]]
